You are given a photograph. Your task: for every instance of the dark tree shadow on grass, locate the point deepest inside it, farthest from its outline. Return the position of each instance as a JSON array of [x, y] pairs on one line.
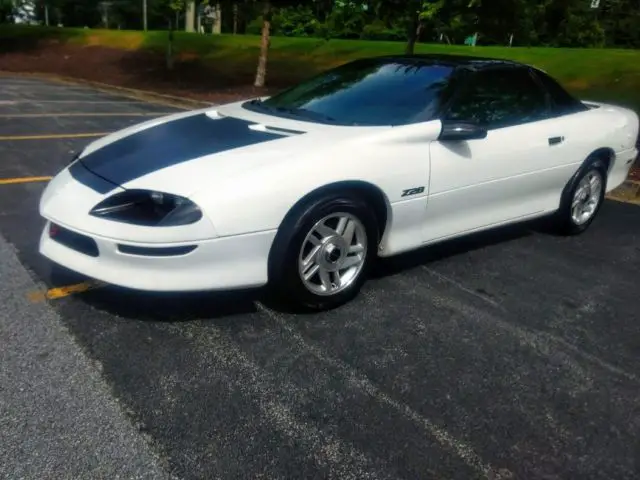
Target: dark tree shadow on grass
[[15, 38], [227, 72]]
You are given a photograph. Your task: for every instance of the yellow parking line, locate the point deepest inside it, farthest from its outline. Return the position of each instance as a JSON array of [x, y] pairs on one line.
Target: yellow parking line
[[84, 114], [67, 290], [10, 181], [51, 136], [91, 102]]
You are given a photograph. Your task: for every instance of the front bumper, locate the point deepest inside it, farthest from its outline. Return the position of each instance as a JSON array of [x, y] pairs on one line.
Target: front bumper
[[234, 262]]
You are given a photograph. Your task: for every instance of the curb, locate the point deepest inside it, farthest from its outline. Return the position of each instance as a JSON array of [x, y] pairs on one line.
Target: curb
[[628, 192], [147, 95]]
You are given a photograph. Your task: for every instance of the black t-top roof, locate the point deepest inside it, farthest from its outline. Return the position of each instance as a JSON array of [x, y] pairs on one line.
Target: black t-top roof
[[467, 61]]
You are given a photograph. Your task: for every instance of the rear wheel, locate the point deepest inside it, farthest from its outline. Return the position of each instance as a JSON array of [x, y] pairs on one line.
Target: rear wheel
[[322, 257], [583, 198]]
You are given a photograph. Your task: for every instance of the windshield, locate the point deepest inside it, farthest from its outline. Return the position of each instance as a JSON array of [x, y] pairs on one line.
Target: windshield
[[365, 92]]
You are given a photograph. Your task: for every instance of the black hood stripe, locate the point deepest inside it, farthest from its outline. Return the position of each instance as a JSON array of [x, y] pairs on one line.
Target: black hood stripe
[[90, 179], [163, 146]]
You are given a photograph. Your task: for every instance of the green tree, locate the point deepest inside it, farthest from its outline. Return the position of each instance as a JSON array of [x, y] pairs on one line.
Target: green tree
[[412, 13], [7, 11]]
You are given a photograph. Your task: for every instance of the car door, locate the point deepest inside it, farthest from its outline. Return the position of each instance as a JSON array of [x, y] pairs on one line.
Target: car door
[[507, 176], [578, 126]]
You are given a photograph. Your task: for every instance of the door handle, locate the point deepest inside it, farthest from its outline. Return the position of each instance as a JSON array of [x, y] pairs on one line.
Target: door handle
[[555, 140]]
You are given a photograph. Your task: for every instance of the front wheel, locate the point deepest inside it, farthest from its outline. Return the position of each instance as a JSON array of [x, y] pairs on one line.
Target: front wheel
[[326, 254]]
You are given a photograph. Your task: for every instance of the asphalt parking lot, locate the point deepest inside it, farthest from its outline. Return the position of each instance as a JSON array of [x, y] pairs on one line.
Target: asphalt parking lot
[[510, 355]]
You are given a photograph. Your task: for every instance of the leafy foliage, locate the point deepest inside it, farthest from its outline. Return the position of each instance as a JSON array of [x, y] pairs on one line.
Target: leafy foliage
[[7, 11], [563, 23]]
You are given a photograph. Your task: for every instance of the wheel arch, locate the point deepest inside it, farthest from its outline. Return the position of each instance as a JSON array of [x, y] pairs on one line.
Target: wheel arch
[[604, 154], [366, 190]]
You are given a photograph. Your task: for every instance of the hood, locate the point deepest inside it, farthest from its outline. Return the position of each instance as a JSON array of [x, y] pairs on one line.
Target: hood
[[178, 153]]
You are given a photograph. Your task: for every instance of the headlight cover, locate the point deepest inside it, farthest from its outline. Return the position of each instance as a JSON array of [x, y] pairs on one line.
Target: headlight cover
[[148, 208]]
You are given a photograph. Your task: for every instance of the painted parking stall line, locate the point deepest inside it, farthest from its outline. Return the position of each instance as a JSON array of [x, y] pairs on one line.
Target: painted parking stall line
[[65, 291], [13, 181], [54, 136], [112, 92], [58, 93], [84, 114], [35, 99], [431, 369], [19, 91], [79, 102]]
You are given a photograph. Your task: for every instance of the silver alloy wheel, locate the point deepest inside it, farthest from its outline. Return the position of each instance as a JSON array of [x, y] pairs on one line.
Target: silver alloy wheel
[[333, 254], [586, 197]]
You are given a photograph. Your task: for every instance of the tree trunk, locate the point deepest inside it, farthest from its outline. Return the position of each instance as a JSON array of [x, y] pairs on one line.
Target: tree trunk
[[170, 61], [261, 73], [412, 35], [235, 18], [190, 16], [217, 23]]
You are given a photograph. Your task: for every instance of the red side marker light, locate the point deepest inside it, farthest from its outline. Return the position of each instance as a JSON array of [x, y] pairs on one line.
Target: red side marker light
[[53, 230]]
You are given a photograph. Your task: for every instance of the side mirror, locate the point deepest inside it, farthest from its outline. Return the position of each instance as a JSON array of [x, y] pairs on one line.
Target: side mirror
[[459, 131]]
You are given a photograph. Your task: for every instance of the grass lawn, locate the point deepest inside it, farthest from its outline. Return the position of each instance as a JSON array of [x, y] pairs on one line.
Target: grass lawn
[[599, 74]]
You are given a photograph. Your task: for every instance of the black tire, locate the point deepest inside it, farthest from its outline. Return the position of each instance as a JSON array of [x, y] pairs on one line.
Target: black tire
[[285, 284], [564, 223]]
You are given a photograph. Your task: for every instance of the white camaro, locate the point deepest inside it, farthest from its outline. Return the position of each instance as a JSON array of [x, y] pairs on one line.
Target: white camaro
[[303, 190]]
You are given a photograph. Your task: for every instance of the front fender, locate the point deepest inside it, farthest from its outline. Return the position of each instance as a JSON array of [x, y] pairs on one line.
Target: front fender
[[390, 159]]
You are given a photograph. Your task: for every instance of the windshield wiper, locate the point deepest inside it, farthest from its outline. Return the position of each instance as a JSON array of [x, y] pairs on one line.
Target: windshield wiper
[[298, 112], [303, 112]]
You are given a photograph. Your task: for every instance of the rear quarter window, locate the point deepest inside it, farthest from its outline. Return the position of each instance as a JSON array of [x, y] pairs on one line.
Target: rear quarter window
[[563, 103]]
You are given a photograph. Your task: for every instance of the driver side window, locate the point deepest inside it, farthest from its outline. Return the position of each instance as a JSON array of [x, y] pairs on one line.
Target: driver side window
[[500, 98]]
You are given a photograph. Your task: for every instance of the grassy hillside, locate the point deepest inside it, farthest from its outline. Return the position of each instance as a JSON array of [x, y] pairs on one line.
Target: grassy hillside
[[608, 75]]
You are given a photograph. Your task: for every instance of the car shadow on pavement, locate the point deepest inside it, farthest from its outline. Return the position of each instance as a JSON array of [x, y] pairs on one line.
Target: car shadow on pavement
[[450, 248], [188, 306], [156, 306], [170, 306]]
